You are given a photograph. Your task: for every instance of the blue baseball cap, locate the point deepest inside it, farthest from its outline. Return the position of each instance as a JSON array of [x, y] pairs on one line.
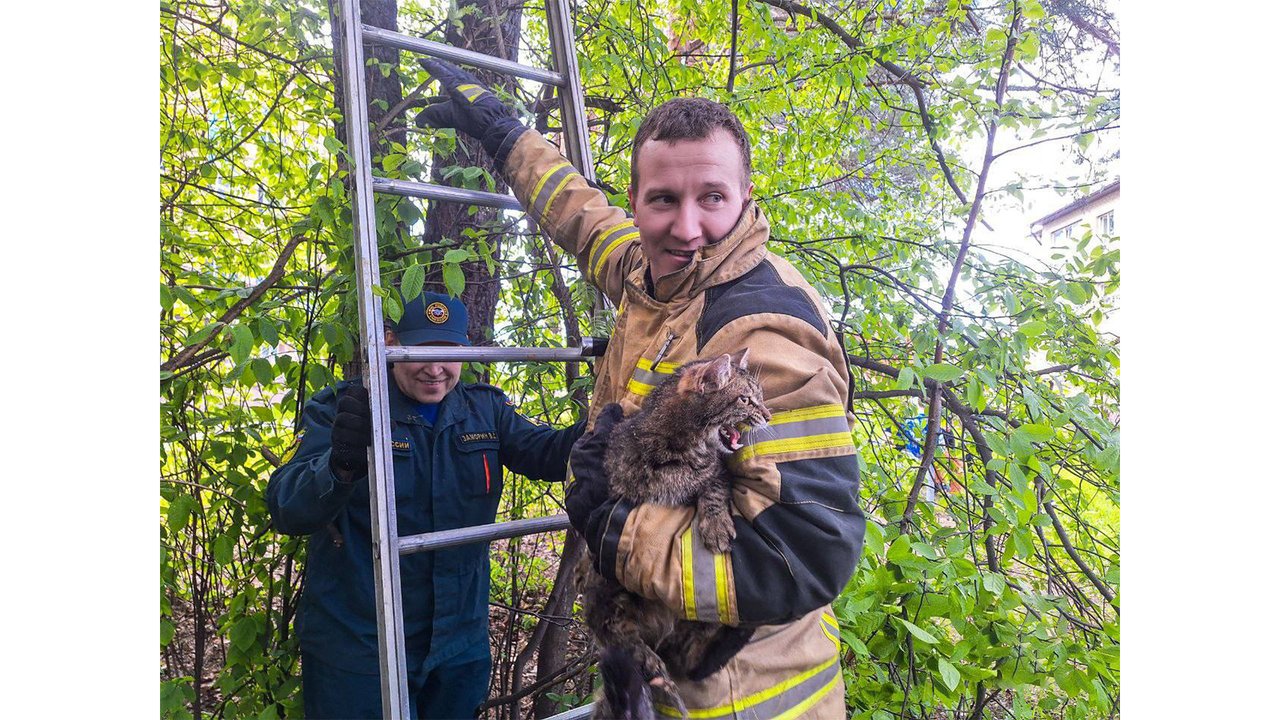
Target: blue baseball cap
[[432, 318]]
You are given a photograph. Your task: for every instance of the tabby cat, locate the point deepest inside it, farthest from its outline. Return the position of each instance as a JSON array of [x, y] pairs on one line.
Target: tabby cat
[[672, 452]]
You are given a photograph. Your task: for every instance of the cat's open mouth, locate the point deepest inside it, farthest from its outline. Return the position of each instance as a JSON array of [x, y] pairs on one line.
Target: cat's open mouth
[[731, 438]]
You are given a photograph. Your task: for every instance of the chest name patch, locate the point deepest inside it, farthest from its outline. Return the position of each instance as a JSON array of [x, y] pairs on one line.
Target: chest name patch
[[400, 445], [477, 436]]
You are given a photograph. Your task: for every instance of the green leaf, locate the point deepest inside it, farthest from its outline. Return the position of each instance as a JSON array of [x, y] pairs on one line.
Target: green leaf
[[906, 378], [392, 308], [973, 394], [1078, 293], [457, 255], [243, 633], [1035, 432], [1033, 402], [241, 343], [203, 333], [263, 371], [267, 331], [166, 632], [180, 512], [332, 144], [1033, 328], [920, 633], [454, 280], [174, 694], [391, 161], [993, 583], [942, 372], [406, 209], [855, 644], [411, 282], [222, 549], [950, 675]]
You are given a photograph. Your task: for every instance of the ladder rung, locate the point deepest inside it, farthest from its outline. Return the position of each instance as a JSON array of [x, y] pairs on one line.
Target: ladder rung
[[481, 533], [382, 36], [591, 347], [408, 188], [578, 713]]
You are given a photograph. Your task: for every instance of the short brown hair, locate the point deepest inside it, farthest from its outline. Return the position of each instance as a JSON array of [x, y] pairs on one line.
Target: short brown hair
[[691, 119]]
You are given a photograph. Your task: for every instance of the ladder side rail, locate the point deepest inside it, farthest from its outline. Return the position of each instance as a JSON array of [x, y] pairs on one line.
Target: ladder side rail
[[382, 511], [573, 111], [422, 46], [572, 105]]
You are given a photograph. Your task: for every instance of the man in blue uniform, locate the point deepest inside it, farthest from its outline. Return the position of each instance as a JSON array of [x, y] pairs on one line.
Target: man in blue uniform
[[450, 442]]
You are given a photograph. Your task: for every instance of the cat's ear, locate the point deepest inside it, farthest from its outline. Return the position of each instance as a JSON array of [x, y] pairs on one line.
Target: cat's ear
[[717, 374], [739, 359], [706, 377]]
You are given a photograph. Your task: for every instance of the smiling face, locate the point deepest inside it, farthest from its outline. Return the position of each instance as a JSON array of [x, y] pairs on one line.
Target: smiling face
[[426, 382], [688, 193]]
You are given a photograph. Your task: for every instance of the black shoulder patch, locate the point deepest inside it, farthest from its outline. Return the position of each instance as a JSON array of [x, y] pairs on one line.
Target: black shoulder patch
[[759, 290]]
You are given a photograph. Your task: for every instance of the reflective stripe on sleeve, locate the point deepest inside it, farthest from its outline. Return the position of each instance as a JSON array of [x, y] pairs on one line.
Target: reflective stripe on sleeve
[[811, 428], [546, 189], [611, 240], [706, 580], [788, 699]]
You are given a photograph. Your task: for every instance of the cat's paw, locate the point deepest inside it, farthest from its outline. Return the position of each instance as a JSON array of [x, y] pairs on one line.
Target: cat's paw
[[717, 532]]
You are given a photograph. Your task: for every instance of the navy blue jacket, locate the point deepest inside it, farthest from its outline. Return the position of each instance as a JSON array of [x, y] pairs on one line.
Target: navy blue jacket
[[447, 475]]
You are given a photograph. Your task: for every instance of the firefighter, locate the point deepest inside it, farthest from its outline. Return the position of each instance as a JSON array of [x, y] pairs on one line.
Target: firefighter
[[692, 279]]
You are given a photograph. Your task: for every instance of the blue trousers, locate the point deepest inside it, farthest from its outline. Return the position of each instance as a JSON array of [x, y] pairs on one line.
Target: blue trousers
[[449, 692]]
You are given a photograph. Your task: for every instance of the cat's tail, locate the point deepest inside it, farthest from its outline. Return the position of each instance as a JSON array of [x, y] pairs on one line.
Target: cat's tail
[[626, 693]]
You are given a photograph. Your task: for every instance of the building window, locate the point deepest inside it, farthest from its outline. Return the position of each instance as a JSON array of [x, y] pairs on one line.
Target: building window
[[1107, 223], [1064, 233]]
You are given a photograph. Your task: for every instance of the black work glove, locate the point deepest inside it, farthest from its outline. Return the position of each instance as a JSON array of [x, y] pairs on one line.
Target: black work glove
[[587, 500], [352, 431], [471, 109]]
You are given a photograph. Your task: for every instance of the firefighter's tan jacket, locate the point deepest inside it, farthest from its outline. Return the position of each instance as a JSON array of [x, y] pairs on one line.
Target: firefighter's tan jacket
[[799, 528]]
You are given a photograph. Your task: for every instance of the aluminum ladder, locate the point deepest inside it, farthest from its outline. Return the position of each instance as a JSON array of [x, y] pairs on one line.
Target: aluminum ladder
[[388, 546]]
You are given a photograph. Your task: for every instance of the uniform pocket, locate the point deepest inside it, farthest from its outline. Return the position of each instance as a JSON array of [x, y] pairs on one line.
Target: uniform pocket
[[477, 453], [402, 460]]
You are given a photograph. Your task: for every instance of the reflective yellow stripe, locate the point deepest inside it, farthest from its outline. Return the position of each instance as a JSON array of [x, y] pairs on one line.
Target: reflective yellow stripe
[[686, 569], [471, 92], [608, 250], [811, 442], [810, 428], [646, 376], [543, 180], [722, 588], [551, 199], [639, 388], [810, 701], [665, 368], [743, 704], [605, 240], [809, 413], [831, 628]]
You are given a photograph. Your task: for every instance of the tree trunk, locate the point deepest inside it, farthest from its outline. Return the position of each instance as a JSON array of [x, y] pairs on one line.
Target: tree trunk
[[493, 30]]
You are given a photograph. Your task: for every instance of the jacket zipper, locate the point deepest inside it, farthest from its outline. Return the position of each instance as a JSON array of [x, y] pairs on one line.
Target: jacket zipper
[[662, 351]]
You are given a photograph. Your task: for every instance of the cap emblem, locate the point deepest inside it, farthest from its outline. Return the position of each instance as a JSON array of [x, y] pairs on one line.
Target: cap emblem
[[437, 313]]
